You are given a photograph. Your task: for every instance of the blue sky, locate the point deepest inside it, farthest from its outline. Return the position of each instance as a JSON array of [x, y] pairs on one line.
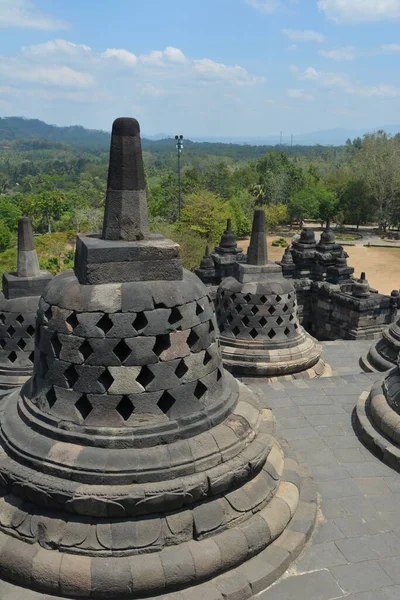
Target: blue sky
[[202, 67]]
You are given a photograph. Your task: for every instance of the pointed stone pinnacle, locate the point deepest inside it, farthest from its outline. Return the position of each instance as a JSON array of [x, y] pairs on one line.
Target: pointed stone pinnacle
[[126, 215], [207, 253], [27, 263], [257, 252]]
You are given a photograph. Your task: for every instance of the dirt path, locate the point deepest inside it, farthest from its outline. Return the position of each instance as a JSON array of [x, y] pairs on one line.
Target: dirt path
[[382, 265]]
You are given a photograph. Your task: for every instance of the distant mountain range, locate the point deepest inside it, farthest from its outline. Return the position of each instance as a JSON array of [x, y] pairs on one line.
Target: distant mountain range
[[12, 128]]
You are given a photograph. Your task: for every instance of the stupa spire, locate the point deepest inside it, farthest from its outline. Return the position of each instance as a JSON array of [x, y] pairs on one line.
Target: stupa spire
[[257, 252], [126, 215], [28, 263]]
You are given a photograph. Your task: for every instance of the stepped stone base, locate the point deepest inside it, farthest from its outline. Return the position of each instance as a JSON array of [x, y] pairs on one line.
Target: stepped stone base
[[290, 516], [377, 424]]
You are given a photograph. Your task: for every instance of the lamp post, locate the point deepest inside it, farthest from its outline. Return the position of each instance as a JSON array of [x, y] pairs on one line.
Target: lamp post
[[179, 146]]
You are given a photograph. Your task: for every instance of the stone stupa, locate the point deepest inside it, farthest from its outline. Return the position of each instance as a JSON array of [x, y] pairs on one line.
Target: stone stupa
[[18, 307], [383, 353], [132, 464], [260, 333], [377, 417]]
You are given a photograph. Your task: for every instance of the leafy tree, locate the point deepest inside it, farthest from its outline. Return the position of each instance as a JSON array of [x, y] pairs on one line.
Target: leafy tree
[[5, 237], [276, 214], [302, 205], [9, 213], [205, 213], [328, 203], [356, 203]]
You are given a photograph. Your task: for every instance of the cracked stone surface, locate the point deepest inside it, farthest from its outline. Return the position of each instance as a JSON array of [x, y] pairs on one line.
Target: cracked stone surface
[[354, 552]]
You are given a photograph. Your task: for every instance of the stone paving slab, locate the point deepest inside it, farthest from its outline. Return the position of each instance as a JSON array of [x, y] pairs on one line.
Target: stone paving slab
[[354, 552]]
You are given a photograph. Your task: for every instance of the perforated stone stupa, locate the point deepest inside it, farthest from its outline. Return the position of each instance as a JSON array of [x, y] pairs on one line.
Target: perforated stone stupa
[[18, 307], [133, 465], [384, 352], [257, 317], [377, 417]]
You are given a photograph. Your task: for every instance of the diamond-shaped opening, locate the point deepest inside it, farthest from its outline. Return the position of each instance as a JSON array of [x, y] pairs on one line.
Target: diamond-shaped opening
[[287, 331], [145, 377], [207, 357], [253, 333], [263, 321], [236, 331], [211, 327], [30, 330], [83, 406], [51, 397], [291, 318], [12, 357], [279, 320], [20, 319], [122, 351], [105, 324], [85, 349], [247, 298], [21, 344], [166, 402], [48, 314], [106, 380], [2, 343], [32, 357], [246, 321], [229, 318], [219, 374], [71, 376], [199, 309], [285, 308], [233, 297], [278, 298], [289, 296], [163, 342], [199, 390], [11, 330], [263, 299], [192, 339], [56, 344], [181, 369], [125, 408], [2, 318], [254, 310], [72, 320], [272, 310], [296, 326], [140, 322], [175, 316], [271, 334]]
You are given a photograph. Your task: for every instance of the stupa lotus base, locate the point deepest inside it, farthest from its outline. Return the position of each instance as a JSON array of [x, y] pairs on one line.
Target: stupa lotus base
[[288, 520], [382, 355], [252, 359], [377, 423]]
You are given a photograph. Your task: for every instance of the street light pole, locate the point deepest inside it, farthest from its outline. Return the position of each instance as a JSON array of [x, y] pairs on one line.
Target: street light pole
[[179, 146]]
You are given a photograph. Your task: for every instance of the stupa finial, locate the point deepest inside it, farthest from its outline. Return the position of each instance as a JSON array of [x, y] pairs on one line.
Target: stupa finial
[[27, 263], [126, 215], [257, 252]]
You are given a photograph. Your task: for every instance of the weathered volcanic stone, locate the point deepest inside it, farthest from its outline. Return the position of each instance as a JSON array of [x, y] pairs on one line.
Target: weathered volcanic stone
[[256, 312], [132, 464], [18, 306], [377, 417]]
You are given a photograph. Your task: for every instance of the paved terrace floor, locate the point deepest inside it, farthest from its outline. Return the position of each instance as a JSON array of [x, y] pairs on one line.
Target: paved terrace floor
[[354, 552]]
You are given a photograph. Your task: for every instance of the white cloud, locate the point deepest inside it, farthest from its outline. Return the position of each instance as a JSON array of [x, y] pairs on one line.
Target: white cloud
[[270, 6], [25, 15], [60, 76], [122, 55], [298, 93], [211, 70], [390, 47], [342, 53], [304, 35], [343, 82], [356, 11], [52, 47]]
